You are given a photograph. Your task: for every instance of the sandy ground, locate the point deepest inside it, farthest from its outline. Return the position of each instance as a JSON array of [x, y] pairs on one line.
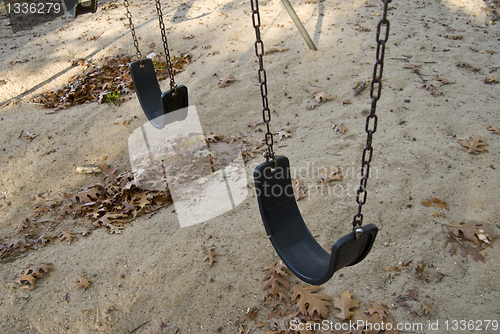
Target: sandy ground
[[152, 278]]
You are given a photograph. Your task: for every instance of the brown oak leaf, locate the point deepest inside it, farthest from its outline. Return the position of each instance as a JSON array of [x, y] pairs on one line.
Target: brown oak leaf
[[474, 145], [320, 97], [310, 301], [38, 270], [224, 82], [329, 174], [345, 303], [465, 251], [211, 254], [428, 309], [491, 80], [380, 309], [83, 282], [366, 324], [468, 67], [28, 282], [283, 134], [436, 203], [312, 105], [67, 235], [32, 273], [276, 280], [476, 233], [298, 189], [413, 294], [89, 194], [339, 128], [494, 129], [44, 238]]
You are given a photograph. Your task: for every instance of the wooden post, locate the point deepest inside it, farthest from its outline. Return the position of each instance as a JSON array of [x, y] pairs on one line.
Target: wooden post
[[298, 23]]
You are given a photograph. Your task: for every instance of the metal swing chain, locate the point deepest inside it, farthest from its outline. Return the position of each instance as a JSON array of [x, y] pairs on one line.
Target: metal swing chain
[[132, 29], [259, 52], [165, 44], [371, 119], [163, 36]]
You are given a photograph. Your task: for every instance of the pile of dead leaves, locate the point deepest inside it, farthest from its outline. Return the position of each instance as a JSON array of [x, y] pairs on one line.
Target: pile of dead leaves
[[112, 204], [298, 308], [106, 81]]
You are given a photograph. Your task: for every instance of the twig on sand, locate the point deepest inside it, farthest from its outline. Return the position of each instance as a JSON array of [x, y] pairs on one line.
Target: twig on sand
[[139, 327]]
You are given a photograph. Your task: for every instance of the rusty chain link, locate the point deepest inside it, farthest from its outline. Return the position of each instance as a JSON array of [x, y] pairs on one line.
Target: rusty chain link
[[259, 52], [163, 36], [372, 119], [165, 44], [132, 29]]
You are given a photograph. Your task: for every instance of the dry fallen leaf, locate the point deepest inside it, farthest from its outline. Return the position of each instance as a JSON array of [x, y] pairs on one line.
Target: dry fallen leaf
[[329, 174], [435, 203], [27, 282], [494, 129], [442, 80], [124, 120], [32, 273], [468, 67], [339, 128], [474, 252], [310, 301], [413, 295], [312, 105], [83, 282], [320, 97], [298, 189], [283, 134], [277, 281], [224, 82], [66, 235], [428, 309], [474, 145], [491, 80], [380, 309], [211, 254], [476, 233], [38, 270], [345, 303]]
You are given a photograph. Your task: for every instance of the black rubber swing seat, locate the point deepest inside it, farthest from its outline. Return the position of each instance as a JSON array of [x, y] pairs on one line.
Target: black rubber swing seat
[[153, 102], [79, 7], [289, 234]]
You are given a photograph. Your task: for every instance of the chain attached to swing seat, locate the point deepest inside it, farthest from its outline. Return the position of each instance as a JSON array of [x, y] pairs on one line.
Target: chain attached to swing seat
[[161, 23], [132, 29], [372, 118], [259, 52]]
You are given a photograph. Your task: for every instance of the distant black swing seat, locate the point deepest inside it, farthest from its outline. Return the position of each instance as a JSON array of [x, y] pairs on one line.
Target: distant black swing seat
[[79, 7], [153, 102]]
